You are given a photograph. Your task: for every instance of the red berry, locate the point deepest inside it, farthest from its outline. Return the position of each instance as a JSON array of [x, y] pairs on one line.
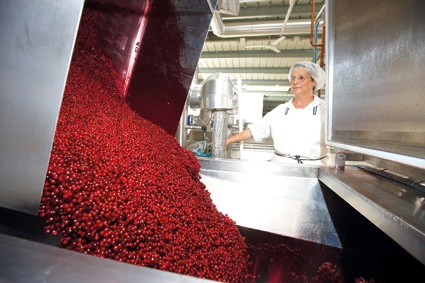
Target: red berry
[[120, 187]]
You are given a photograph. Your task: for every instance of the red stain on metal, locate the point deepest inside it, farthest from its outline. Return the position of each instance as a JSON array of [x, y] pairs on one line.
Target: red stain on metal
[[169, 52]]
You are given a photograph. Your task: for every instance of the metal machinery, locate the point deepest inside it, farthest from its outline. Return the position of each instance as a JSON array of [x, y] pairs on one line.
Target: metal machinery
[[375, 205], [217, 98]]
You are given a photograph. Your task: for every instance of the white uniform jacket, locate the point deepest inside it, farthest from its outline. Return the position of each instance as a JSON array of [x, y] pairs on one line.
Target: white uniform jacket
[[295, 132]]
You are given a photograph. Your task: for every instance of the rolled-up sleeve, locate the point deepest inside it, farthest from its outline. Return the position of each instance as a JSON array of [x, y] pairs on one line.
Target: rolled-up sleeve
[[261, 130]]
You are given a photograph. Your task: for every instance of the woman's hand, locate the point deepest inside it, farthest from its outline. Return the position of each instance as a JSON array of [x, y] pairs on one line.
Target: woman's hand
[[227, 143], [242, 136]]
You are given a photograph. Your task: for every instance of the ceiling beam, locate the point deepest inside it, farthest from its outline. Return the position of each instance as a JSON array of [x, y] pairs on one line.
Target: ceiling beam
[[245, 70], [212, 38], [299, 11], [266, 82], [257, 54]]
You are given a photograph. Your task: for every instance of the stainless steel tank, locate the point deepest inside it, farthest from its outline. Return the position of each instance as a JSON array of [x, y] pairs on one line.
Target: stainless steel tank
[[217, 93]]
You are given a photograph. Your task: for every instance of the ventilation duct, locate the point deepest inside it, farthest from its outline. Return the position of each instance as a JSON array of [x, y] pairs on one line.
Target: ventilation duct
[[259, 28], [230, 7]]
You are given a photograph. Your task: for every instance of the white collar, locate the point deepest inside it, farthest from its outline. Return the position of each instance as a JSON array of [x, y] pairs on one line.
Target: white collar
[[316, 102]]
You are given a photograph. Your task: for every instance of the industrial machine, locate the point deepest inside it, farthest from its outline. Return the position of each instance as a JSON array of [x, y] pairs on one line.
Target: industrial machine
[[365, 214], [216, 101]]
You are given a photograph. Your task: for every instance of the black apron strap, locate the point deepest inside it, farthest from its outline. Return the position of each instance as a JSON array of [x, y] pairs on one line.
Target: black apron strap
[[314, 110], [299, 158]]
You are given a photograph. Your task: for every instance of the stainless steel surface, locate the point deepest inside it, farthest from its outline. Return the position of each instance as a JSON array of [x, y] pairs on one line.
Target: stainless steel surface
[[194, 98], [272, 197], [412, 172], [37, 40], [121, 32], [287, 200], [26, 261], [217, 93], [375, 89], [395, 208], [181, 133]]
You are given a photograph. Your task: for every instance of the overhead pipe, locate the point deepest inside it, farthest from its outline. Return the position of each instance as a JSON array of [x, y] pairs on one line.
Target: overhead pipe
[[257, 28], [316, 22], [253, 1], [320, 16], [312, 24], [288, 14], [314, 44], [316, 35], [230, 7]]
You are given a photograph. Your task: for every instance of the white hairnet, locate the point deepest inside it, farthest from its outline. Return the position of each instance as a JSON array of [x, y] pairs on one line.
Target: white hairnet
[[315, 71]]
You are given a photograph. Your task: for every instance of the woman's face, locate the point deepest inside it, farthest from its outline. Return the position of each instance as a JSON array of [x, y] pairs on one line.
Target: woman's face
[[302, 82]]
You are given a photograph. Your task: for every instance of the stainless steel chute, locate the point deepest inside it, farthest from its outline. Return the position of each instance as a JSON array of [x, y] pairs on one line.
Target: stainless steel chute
[[37, 40]]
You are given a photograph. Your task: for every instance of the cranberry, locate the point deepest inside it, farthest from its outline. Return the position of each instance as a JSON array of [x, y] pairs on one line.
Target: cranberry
[[120, 187]]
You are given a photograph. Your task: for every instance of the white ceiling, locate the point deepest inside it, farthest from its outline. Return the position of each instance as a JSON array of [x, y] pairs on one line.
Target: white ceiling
[[259, 23]]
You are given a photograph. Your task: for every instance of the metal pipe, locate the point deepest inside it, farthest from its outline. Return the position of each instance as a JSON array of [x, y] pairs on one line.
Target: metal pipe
[[256, 28], [312, 25], [320, 14], [291, 6], [322, 52], [315, 37], [313, 43]]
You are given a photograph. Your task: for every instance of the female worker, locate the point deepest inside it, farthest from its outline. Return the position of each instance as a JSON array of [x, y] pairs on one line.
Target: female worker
[[297, 127]]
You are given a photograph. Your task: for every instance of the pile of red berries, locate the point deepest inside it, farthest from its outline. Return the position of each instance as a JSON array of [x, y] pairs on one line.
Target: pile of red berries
[[120, 187]]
